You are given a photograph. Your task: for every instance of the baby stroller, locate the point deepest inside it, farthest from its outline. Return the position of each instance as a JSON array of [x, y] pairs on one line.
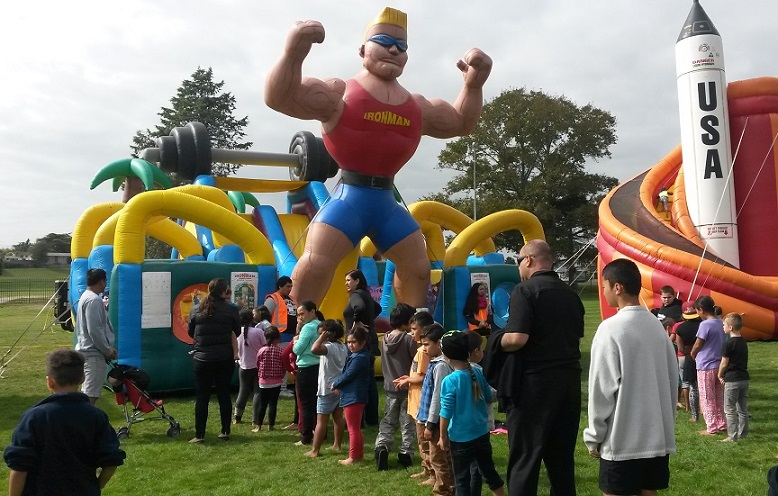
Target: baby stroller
[[129, 385]]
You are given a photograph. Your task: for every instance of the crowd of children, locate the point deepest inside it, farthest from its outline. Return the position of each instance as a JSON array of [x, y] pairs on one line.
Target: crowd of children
[[435, 391], [713, 366]]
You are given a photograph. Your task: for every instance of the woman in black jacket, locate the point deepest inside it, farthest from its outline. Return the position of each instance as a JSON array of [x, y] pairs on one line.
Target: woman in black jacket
[[363, 308], [214, 325]]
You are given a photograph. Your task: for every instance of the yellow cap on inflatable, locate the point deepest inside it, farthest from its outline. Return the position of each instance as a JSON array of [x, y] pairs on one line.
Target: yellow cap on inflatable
[[389, 16]]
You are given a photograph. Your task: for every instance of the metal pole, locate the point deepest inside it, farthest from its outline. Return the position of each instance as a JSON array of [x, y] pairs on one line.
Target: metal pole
[[475, 190]]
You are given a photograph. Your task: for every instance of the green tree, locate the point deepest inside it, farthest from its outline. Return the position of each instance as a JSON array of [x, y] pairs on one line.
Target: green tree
[[22, 247], [529, 152], [197, 99], [200, 99], [40, 251], [157, 249], [58, 243], [3, 253]]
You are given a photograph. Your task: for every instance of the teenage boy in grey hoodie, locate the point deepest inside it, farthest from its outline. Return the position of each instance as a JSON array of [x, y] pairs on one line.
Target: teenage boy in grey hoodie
[[397, 352]]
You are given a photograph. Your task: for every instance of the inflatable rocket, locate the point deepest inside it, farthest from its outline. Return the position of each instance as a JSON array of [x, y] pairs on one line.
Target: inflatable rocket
[[705, 140]]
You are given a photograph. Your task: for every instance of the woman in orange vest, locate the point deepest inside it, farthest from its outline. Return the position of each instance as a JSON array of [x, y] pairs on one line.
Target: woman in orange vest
[[478, 310]]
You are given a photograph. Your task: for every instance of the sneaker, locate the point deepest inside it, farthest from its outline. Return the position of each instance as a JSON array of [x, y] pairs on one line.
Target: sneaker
[[405, 459], [382, 458], [291, 427], [236, 420]]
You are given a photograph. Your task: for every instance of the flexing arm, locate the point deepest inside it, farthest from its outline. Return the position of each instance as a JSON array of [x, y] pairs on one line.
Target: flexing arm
[[444, 120], [304, 98]]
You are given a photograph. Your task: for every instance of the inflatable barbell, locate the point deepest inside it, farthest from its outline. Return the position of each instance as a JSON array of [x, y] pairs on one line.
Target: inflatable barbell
[[187, 152]]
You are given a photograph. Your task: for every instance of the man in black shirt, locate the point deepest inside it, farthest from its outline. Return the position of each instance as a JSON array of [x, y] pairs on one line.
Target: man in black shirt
[[544, 329]]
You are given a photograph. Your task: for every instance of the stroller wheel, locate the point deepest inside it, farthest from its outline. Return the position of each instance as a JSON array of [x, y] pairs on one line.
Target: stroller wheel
[[123, 433], [174, 430]]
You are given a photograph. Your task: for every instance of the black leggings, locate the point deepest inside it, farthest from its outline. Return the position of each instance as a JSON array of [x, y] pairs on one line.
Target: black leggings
[[307, 385], [216, 374], [268, 400]]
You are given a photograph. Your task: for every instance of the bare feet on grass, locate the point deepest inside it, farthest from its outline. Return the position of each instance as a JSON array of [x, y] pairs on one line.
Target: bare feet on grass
[[334, 447], [311, 454], [349, 461]]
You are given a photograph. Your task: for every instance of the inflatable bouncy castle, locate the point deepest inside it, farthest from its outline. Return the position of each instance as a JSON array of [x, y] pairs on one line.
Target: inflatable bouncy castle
[[223, 227]]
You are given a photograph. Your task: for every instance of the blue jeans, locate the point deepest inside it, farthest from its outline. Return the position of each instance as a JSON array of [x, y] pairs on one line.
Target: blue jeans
[[463, 455]]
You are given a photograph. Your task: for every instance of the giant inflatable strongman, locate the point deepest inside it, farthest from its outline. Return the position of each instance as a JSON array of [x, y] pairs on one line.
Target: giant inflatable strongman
[[371, 126]]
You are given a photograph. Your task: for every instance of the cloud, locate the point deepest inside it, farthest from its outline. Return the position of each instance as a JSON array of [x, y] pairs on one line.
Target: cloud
[[79, 80]]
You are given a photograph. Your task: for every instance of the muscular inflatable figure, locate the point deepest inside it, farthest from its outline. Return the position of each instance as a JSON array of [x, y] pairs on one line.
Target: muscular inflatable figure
[[371, 126]]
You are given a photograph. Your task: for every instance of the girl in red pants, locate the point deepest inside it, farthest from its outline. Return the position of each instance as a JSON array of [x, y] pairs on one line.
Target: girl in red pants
[[353, 385]]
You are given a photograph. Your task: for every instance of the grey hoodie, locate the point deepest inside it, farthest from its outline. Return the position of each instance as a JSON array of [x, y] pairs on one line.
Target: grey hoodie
[[397, 351]]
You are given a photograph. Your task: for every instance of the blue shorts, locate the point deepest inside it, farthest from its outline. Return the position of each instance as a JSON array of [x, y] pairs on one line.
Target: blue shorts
[[325, 405], [358, 212]]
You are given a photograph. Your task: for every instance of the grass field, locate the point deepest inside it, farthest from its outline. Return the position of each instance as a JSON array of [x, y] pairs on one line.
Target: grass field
[[268, 463], [52, 273]]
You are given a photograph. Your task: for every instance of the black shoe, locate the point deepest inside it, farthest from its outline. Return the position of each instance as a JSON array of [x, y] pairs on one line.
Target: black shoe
[[382, 458], [405, 459]]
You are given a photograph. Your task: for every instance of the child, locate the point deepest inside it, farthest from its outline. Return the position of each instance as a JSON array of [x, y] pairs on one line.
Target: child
[[476, 354], [413, 382], [289, 361], [733, 373], [333, 357], [463, 417], [61, 442], [249, 342], [270, 374], [352, 384], [429, 409], [397, 352]]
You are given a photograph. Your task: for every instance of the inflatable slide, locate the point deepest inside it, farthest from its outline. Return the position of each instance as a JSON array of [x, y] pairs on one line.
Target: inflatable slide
[[667, 247]]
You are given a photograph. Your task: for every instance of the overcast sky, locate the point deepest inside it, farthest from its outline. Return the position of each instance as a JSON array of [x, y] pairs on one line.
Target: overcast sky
[[78, 79]]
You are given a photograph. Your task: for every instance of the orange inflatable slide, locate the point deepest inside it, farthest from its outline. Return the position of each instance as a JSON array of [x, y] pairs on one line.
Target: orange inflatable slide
[[666, 246]]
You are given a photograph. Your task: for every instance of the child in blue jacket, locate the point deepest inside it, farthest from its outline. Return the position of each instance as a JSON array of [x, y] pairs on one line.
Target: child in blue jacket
[[463, 417], [353, 386]]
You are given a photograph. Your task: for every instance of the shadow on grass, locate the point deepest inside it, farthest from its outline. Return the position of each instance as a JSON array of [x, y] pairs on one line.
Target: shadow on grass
[[14, 406]]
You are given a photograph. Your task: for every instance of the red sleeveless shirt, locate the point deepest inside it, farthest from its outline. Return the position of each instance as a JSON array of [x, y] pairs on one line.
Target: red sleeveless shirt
[[374, 138]]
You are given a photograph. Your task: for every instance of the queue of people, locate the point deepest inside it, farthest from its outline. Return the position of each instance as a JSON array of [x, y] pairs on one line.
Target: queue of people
[[440, 398]]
